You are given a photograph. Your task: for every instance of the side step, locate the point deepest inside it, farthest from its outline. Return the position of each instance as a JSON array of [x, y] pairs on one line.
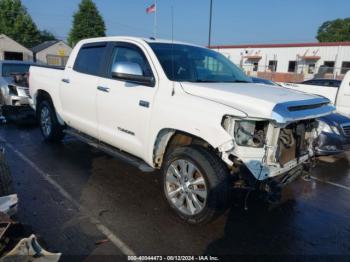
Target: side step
[[134, 161]]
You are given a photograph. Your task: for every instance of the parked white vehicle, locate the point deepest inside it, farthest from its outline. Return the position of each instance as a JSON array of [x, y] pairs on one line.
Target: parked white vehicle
[[339, 96], [181, 108]]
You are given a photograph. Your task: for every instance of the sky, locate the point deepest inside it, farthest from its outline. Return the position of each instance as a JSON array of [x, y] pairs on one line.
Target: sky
[[234, 21]]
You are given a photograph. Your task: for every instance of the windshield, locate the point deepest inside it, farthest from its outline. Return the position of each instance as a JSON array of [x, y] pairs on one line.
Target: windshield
[[186, 63], [10, 69]]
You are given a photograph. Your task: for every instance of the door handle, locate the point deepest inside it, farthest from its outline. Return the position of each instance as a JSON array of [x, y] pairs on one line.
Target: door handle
[[103, 89], [66, 80]]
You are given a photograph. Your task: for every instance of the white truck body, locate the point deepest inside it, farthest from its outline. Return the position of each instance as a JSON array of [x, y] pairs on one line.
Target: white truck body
[[340, 97], [143, 120], [99, 115]]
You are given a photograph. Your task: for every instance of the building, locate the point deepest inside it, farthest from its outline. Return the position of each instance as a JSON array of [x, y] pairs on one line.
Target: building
[[11, 50], [53, 53], [291, 62]]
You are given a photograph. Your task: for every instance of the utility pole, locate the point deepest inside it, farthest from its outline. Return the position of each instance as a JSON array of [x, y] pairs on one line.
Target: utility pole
[[210, 21]]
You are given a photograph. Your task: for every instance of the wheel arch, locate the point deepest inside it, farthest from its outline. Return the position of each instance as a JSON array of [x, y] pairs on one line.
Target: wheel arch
[[42, 95], [168, 138]]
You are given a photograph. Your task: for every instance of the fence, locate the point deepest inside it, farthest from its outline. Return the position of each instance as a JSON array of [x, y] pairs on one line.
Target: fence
[[300, 73]]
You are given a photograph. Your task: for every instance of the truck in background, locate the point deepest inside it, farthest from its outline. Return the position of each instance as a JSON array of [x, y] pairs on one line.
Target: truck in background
[[339, 96]]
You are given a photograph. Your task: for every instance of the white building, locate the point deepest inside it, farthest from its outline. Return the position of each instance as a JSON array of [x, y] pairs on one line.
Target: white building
[[11, 50], [301, 60], [53, 53]]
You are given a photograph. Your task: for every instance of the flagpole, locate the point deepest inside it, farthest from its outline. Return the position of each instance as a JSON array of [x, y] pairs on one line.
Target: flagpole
[[155, 19], [210, 21]]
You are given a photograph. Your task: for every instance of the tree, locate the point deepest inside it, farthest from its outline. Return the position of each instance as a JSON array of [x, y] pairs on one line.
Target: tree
[[46, 36], [334, 31], [87, 23], [16, 23]]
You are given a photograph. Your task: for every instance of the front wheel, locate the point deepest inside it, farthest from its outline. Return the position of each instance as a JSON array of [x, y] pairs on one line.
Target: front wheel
[[49, 125], [196, 184]]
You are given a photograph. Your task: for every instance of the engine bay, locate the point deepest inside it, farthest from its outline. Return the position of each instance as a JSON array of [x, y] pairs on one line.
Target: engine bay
[[295, 140]]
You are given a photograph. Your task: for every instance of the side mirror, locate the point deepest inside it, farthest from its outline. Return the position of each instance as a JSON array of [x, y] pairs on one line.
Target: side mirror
[[131, 72]]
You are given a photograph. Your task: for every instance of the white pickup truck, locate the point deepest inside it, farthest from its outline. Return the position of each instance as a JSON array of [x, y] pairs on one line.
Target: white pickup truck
[[181, 108], [339, 96]]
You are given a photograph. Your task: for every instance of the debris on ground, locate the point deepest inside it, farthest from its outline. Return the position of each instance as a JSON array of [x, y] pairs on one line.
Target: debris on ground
[[100, 242], [15, 245], [28, 249], [8, 204]]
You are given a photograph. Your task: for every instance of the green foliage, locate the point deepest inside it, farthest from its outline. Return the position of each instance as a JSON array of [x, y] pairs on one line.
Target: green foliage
[[334, 31], [16, 23], [87, 23], [46, 36]]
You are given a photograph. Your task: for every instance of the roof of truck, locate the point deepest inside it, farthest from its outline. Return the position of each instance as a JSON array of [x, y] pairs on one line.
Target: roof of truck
[[137, 39]]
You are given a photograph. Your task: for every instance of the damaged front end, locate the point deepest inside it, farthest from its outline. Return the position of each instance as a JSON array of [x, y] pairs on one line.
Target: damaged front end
[[276, 151]]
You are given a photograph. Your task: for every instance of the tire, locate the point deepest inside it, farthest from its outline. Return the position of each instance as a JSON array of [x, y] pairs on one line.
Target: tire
[[202, 192], [50, 128], [6, 186]]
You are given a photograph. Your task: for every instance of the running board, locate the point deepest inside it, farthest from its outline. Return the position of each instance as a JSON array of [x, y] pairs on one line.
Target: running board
[[134, 161]]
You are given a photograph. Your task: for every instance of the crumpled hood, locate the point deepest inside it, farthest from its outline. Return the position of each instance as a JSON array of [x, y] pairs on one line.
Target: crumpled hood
[[259, 101]]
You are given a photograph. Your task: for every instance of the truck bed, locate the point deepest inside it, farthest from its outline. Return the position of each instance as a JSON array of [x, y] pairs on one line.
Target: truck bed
[[46, 78]]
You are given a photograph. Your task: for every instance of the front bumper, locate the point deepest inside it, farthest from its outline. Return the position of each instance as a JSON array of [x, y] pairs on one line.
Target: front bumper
[[331, 144], [20, 97], [262, 171], [18, 101]]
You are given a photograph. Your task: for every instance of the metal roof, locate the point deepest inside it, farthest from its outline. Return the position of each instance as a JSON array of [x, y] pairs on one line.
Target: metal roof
[[44, 45], [281, 45]]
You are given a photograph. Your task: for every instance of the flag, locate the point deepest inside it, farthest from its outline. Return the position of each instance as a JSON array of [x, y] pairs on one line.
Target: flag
[[151, 9]]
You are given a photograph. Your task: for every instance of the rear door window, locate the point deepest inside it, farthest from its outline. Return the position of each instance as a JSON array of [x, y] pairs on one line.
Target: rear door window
[[90, 59]]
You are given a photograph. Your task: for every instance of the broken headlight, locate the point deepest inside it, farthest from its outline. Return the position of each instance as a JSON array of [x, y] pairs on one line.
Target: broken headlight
[[246, 132], [326, 128], [250, 133]]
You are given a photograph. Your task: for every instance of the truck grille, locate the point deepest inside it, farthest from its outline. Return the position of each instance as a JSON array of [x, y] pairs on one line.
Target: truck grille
[[346, 129], [25, 90]]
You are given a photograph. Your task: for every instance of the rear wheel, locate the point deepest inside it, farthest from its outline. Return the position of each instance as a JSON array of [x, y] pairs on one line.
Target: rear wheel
[[49, 125], [196, 184]]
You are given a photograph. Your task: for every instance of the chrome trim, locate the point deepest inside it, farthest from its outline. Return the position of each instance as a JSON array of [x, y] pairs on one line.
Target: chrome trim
[[282, 114], [347, 134], [127, 68]]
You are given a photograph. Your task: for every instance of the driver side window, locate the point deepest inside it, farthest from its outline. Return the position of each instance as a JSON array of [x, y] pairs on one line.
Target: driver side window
[[131, 55]]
